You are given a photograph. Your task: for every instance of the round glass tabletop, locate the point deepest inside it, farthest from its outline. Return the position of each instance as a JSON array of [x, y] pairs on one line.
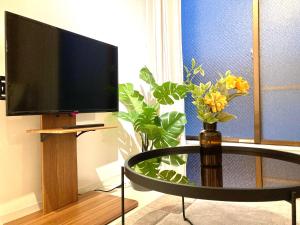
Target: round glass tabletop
[[188, 169]]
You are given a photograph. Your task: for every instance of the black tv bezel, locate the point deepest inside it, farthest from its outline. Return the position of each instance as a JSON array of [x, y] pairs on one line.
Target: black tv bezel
[[27, 113]]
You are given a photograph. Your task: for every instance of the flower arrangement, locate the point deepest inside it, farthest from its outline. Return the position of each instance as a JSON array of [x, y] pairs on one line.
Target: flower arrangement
[[212, 99]]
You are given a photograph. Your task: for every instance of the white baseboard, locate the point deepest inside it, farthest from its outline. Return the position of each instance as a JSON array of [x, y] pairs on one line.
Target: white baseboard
[[13, 215], [89, 187], [109, 178]]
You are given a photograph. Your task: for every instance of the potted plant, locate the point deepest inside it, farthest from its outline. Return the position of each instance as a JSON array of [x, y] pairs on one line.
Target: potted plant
[[156, 130], [211, 100]]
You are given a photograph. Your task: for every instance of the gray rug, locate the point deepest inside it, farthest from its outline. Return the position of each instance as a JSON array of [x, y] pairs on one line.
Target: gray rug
[[167, 210]]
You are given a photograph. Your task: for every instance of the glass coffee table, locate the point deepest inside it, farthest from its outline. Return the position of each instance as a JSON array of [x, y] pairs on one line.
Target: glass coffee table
[[226, 174]]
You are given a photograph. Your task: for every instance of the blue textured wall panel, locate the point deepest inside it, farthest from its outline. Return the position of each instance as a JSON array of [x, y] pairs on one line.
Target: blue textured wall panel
[[280, 42], [218, 34], [281, 115], [280, 67]]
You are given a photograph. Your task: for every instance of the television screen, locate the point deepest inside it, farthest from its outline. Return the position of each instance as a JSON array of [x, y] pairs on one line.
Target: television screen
[[51, 70]]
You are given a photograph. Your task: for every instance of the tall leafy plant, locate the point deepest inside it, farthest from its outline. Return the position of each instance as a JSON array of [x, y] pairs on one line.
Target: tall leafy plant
[[156, 130]]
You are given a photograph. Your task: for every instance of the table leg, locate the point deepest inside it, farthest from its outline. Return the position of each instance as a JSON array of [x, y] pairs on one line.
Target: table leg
[[183, 212], [122, 193], [293, 202]]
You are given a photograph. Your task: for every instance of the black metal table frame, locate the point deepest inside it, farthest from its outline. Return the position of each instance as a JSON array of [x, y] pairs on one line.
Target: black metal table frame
[[289, 194]]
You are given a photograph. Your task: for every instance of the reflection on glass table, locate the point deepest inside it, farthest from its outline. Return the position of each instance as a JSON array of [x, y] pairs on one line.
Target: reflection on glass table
[[227, 174]]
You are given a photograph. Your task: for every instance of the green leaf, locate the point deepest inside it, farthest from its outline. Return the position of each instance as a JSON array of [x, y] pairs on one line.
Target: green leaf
[[188, 76], [172, 127], [202, 111], [205, 87], [167, 134], [147, 76], [197, 91], [173, 176], [173, 123], [191, 87], [209, 118], [168, 92], [175, 160], [201, 117], [208, 85], [130, 117], [227, 73], [148, 167], [148, 116], [130, 98], [224, 117], [157, 121], [232, 96], [193, 63], [156, 106], [222, 88], [153, 131], [200, 70], [186, 69]]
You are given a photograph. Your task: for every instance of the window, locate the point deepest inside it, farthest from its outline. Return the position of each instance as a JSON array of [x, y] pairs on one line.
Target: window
[[221, 36], [279, 70]]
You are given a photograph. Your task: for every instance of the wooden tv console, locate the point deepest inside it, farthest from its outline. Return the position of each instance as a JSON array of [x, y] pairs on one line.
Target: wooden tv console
[[59, 168]]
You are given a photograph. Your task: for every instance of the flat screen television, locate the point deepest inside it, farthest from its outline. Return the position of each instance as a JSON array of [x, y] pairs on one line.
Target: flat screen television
[[51, 70]]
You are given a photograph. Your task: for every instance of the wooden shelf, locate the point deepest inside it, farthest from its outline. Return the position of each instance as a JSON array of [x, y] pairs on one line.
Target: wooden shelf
[[60, 181], [67, 131], [92, 208]]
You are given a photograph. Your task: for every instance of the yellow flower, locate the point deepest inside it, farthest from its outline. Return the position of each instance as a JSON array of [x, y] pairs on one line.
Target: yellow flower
[[242, 85], [215, 101], [230, 81]]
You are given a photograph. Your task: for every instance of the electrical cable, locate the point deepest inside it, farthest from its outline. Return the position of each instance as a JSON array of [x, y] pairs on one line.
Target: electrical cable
[[109, 189]]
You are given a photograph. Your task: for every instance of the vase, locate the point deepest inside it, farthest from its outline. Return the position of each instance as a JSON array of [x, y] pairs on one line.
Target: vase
[[211, 156], [210, 138]]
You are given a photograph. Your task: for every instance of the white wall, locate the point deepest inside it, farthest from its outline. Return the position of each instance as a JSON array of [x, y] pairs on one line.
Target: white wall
[[119, 22]]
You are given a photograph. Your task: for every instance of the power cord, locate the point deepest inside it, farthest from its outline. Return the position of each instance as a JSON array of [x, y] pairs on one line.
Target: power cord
[[109, 189]]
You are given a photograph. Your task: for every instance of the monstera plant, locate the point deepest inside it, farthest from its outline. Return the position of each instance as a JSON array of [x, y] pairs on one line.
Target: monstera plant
[[156, 130]]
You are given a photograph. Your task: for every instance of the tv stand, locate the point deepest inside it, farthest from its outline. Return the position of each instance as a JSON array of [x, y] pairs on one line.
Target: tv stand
[[81, 129], [84, 126], [59, 168]]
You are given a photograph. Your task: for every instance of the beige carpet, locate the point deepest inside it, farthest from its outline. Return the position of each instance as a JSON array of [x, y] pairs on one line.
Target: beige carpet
[[167, 210]]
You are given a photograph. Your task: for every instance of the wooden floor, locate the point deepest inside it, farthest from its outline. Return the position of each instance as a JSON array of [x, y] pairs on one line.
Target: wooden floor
[[93, 208]]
